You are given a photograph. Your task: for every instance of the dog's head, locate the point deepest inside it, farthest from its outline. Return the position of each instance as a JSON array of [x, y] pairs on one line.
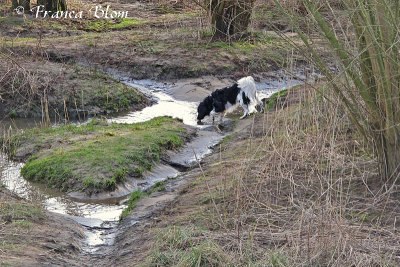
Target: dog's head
[[205, 108]]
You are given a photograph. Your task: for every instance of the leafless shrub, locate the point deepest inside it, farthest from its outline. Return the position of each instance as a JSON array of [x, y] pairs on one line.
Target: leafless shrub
[[24, 85]]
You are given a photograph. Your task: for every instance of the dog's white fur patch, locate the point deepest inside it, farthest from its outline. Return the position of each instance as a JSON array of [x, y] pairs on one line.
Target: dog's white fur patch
[[248, 86]]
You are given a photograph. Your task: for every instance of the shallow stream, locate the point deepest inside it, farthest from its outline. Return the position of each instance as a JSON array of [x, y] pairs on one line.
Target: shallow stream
[[100, 216]]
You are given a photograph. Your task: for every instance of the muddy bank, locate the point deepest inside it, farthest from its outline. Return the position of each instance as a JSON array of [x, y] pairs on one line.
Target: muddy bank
[[152, 54], [134, 236], [164, 50], [97, 156], [32, 236], [44, 89]]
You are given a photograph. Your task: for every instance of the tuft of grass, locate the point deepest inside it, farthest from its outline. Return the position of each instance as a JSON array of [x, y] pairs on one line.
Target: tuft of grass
[[275, 98], [22, 224], [137, 195], [127, 23], [20, 214], [179, 246], [101, 156], [226, 139], [119, 24], [117, 97], [133, 200]]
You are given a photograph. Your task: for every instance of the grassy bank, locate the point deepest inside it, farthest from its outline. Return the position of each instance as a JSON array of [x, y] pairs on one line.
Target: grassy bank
[[302, 191], [28, 232], [38, 87], [96, 156]]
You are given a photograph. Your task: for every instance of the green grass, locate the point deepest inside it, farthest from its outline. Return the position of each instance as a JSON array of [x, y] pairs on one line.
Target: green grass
[[133, 200], [100, 156], [274, 98], [137, 195], [127, 23], [12, 20], [119, 24], [97, 89], [226, 139], [22, 224]]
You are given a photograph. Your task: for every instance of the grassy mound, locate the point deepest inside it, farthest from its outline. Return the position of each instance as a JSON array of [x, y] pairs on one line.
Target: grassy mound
[[97, 156], [42, 88]]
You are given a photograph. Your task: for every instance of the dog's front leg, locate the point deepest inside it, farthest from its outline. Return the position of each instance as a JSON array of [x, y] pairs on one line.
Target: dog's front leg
[[221, 116]]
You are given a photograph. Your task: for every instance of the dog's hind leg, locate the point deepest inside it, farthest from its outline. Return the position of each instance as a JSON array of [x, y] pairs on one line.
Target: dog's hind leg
[[246, 111], [260, 103]]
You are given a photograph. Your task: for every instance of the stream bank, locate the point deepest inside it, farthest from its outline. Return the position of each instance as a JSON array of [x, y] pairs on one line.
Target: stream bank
[[99, 218]]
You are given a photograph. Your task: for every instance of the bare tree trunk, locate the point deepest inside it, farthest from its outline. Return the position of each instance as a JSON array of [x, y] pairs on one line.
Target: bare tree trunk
[[231, 18], [26, 4], [388, 152], [53, 5], [15, 4]]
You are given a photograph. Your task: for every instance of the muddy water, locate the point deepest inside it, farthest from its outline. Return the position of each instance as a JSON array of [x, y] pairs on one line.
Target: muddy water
[[166, 105], [100, 215], [95, 217]]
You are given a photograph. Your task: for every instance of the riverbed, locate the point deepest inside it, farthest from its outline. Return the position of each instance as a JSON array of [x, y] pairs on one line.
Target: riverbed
[[99, 215]]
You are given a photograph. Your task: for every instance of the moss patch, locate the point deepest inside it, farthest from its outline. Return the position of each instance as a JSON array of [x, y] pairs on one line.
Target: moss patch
[[133, 200], [275, 98], [278, 98], [97, 156]]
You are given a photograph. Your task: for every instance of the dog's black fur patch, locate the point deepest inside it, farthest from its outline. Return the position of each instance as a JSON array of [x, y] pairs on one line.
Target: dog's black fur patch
[[246, 100], [205, 107], [218, 99]]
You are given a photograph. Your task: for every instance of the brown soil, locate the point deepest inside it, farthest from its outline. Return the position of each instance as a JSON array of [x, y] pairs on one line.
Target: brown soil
[[36, 237]]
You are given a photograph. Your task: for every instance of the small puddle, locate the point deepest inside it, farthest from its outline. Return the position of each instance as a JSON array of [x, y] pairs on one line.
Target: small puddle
[[100, 215]]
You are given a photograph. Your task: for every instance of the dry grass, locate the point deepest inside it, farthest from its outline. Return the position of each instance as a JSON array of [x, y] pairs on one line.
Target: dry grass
[[310, 191], [304, 193]]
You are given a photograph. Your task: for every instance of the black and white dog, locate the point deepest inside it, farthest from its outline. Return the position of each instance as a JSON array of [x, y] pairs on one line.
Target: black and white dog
[[224, 100]]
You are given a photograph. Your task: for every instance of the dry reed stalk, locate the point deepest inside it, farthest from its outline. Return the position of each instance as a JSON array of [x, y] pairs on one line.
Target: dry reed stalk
[[303, 192]]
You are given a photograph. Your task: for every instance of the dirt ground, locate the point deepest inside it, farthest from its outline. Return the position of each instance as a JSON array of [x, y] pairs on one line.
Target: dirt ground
[[169, 44], [30, 236]]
